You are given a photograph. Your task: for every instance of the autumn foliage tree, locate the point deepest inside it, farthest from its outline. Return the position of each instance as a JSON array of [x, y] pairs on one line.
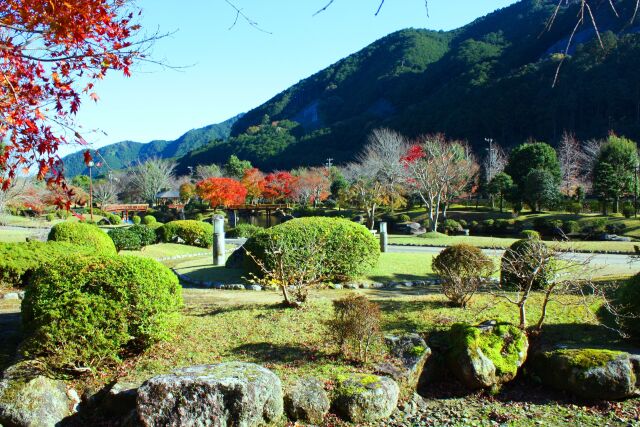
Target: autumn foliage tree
[[278, 186], [253, 181], [312, 186], [51, 54], [222, 192]]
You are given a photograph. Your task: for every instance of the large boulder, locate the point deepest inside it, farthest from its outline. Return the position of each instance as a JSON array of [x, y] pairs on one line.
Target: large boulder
[[235, 393], [32, 400], [412, 228], [307, 401], [410, 353], [487, 355], [362, 398], [595, 374]]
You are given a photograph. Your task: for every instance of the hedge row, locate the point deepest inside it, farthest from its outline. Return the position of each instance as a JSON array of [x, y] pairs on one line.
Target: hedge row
[[189, 232]]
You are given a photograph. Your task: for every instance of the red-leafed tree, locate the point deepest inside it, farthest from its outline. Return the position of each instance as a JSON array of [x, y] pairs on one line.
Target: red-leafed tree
[[278, 186], [51, 54], [222, 192], [312, 186], [253, 181]]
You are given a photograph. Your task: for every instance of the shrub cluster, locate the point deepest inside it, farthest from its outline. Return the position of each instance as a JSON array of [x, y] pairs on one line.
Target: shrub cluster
[[82, 234], [349, 249], [522, 256], [19, 260], [355, 327], [149, 219], [146, 234], [244, 231], [627, 305], [125, 240], [86, 312], [193, 233], [451, 227], [136, 219]]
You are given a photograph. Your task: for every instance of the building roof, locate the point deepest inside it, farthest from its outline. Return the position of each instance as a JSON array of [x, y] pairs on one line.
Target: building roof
[[170, 194]]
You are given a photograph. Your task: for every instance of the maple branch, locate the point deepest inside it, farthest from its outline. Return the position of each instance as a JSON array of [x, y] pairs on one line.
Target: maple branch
[[247, 19]]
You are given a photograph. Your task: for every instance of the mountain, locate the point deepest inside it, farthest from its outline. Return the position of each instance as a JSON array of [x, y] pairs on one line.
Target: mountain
[[123, 154], [492, 78]]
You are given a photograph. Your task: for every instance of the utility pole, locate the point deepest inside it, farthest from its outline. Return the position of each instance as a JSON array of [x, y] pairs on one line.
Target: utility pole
[[329, 163], [91, 165]]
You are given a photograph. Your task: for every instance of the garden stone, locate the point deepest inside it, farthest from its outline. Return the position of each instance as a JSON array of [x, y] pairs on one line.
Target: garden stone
[[377, 285], [362, 398], [307, 401], [11, 296], [412, 352], [336, 286], [487, 355], [351, 286], [408, 284], [253, 287], [234, 393], [31, 400], [594, 374]]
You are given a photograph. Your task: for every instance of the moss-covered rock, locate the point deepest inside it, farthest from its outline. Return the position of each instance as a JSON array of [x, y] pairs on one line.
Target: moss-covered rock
[[410, 353], [33, 400], [238, 394], [364, 398], [307, 401], [487, 355], [596, 374]]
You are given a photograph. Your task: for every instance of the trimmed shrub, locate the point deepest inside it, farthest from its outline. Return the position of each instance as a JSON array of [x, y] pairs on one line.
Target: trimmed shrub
[[149, 219], [199, 217], [244, 231], [330, 204], [50, 217], [451, 226], [404, 218], [349, 248], [627, 305], [463, 269], [125, 239], [571, 227], [136, 219], [488, 224], [87, 312], [193, 233], [19, 260], [628, 211], [594, 227], [63, 214], [463, 223], [522, 255], [82, 234], [530, 234], [114, 219], [615, 227], [146, 234], [575, 208]]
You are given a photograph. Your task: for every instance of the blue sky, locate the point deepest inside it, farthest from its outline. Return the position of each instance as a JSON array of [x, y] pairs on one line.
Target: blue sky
[[231, 71]]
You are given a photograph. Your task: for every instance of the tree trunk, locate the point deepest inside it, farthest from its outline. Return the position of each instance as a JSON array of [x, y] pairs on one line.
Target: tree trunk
[[616, 205], [523, 316], [501, 203]]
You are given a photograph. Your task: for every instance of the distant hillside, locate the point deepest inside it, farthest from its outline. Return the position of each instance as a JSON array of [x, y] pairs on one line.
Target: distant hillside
[[491, 78], [123, 154]]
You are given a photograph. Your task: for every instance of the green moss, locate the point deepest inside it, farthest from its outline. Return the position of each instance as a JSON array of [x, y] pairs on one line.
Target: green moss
[[587, 358], [353, 384], [502, 344], [417, 350]]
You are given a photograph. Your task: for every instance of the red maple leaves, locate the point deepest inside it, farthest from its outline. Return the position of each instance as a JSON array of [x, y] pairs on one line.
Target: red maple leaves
[[222, 192]]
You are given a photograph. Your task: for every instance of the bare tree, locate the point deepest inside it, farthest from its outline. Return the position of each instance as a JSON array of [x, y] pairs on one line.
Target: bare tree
[[207, 171], [571, 158], [16, 194], [105, 193], [494, 162], [153, 176], [383, 153], [365, 190]]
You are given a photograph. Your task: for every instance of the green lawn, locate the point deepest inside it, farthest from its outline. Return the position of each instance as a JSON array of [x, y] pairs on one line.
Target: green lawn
[[166, 250], [13, 236]]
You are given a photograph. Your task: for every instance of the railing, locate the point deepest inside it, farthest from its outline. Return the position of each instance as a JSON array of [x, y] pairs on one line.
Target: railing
[[126, 208]]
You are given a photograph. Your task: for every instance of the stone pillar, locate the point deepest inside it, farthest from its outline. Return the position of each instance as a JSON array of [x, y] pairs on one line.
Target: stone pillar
[[384, 237], [219, 250]]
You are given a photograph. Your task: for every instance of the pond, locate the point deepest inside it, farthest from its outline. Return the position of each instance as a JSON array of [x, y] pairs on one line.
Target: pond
[[261, 220]]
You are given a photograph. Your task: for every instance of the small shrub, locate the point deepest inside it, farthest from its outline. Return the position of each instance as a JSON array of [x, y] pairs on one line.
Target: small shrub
[[193, 233], [530, 234], [501, 225], [63, 214], [574, 208], [149, 219], [50, 217], [86, 312], [463, 270], [628, 210], [594, 227], [404, 218], [521, 264], [463, 223], [82, 234], [244, 231], [355, 327], [136, 219], [615, 228], [146, 234], [199, 217], [571, 227], [330, 204], [627, 306], [451, 226], [114, 219], [125, 240], [488, 224]]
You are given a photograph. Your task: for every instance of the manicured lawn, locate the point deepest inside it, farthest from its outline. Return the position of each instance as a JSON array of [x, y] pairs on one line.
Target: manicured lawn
[[503, 242], [398, 267], [165, 250], [12, 236]]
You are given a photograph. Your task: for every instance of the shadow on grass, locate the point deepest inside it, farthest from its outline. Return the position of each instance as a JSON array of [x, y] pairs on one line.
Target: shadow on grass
[[402, 277], [581, 335], [214, 309], [266, 352], [10, 337]]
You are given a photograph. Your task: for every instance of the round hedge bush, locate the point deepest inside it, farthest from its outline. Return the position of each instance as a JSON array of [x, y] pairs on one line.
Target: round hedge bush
[[627, 303], [530, 234], [82, 234], [193, 233], [19, 260], [350, 248], [136, 219], [125, 239], [146, 234], [520, 254], [90, 311], [149, 219]]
